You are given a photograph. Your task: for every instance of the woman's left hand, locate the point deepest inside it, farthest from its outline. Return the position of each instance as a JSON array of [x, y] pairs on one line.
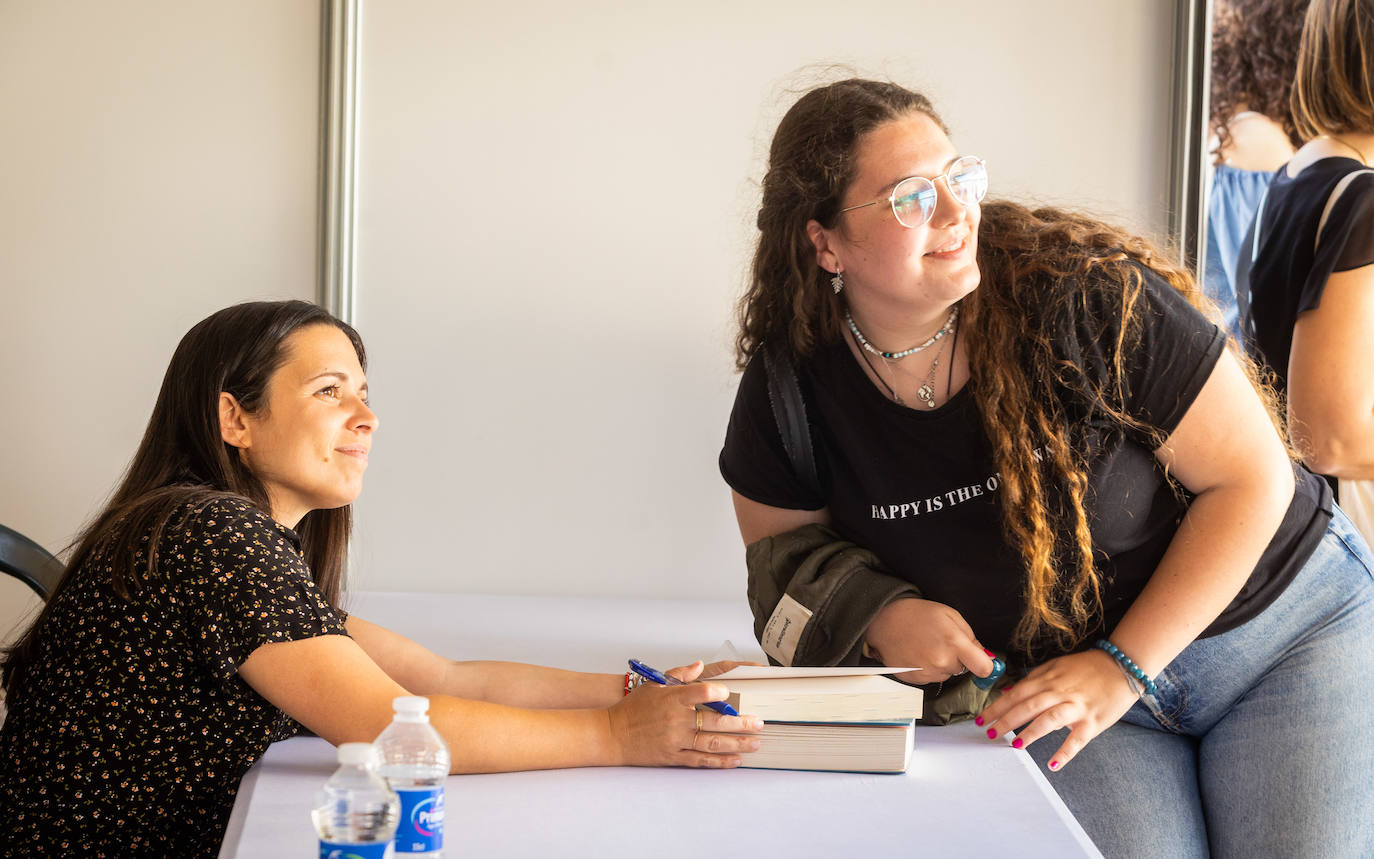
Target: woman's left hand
[[1084, 692]]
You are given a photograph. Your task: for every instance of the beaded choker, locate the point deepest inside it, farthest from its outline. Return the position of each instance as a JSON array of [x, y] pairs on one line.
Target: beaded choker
[[892, 356]]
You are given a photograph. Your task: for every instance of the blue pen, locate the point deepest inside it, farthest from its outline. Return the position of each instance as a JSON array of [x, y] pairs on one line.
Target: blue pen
[[653, 675]]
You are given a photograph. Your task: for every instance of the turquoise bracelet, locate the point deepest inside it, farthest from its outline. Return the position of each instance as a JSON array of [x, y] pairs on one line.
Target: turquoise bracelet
[[1127, 665]]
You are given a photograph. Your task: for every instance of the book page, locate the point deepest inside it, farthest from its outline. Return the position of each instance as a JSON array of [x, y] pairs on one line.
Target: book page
[[769, 672]]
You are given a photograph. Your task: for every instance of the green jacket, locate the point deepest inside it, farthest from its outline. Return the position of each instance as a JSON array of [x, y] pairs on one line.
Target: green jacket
[[813, 595]]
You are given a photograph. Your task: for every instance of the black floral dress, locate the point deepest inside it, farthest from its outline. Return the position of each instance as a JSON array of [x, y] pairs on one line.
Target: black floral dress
[[132, 729]]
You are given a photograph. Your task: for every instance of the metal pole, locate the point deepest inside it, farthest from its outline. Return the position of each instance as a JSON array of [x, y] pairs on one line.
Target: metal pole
[[1187, 165], [338, 159]]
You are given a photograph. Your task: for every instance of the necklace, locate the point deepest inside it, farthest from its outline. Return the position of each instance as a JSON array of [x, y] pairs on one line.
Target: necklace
[[926, 392], [891, 392], [893, 356], [1348, 145]]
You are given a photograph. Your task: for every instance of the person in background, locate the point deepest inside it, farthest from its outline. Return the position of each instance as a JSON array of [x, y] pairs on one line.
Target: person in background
[[1307, 278], [199, 621], [1254, 54], [1029, 442]]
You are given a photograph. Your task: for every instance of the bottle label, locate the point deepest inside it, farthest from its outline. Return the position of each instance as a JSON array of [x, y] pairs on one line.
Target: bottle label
[[421, 829], [339, 850]]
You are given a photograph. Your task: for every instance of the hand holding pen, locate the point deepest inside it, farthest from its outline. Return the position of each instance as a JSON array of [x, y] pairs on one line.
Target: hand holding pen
[[653, 675], [665, 727]]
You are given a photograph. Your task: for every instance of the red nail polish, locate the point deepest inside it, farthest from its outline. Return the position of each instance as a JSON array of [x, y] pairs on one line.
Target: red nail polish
[[1017, 743], [1054, 765], [988, 652], [992, 733], [978, 720]]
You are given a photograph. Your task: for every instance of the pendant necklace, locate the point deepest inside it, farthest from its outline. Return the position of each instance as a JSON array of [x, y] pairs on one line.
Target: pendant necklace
[[926, 393], [891, 392]]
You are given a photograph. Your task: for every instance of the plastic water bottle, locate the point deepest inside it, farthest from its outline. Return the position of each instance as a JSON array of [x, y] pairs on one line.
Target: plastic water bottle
[[414, 760], [355, 812]]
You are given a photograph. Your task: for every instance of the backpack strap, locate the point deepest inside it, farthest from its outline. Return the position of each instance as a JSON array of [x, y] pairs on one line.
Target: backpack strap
[[1331, 201], [789, 412]]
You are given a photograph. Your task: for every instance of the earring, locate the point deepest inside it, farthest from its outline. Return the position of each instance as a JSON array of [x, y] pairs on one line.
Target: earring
[[837, 282]]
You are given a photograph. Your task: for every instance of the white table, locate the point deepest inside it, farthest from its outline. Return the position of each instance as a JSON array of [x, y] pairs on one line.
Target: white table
[[963, 795]]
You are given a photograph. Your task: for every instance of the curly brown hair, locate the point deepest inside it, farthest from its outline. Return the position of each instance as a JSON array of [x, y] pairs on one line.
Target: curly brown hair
[[1041, 269], [1254, 55]]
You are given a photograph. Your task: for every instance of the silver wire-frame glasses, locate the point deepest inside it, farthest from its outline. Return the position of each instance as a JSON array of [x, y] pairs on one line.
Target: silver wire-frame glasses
[[914, 198]]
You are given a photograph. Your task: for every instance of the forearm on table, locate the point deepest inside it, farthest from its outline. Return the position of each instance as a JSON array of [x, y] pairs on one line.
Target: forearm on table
[[520, 685], [484, 737], [1215, 549]]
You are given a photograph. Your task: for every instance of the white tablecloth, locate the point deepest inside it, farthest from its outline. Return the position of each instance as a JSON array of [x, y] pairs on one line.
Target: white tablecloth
[[963, 795]]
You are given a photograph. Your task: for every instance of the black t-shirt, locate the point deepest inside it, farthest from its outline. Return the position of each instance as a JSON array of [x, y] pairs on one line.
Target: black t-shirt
[[132, 728], [919, 488], [1290, 270]]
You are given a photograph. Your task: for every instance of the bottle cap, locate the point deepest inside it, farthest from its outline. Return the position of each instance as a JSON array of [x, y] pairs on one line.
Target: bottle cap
[[355, 754], [410, 705]]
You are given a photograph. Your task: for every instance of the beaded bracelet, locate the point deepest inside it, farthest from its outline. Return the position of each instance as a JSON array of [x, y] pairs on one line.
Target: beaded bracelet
[[1128, 666]]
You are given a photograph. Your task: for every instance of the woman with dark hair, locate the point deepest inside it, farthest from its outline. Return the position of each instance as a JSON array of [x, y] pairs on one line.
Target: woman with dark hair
[[1254, 53], [1307, 270], [198, 620], [1027, 441]]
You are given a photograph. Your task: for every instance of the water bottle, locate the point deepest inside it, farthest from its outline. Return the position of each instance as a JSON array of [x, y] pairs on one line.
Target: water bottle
[[355, 812], [414, 760]]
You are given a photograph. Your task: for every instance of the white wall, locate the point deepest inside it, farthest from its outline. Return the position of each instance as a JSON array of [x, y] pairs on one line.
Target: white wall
[[157, 162], [556, 207]]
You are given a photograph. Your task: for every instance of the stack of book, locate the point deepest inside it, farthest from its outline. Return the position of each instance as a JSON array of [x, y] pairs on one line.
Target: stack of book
[[834, 719]]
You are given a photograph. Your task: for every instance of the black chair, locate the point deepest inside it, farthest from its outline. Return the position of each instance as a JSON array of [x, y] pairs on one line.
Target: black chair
[[28, 562]]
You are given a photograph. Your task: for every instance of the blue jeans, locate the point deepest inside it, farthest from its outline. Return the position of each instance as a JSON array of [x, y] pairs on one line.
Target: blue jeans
[[1259, 743]]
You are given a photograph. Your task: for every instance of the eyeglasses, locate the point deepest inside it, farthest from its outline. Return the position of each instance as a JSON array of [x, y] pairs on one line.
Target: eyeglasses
[[913, 199]]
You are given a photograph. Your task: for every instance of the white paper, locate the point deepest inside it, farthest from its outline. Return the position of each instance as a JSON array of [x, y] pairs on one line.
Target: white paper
[[763, 672]]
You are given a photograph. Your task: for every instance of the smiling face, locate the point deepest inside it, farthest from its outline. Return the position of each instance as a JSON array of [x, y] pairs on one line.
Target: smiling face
[[309, 442], [889, 268]]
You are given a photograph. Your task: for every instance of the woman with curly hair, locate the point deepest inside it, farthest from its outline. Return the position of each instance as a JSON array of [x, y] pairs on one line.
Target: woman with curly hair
[[1307, 275], [1254, 54], [1028, 442]]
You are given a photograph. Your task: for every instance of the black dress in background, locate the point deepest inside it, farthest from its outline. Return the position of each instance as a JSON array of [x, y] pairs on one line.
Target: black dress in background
[[1288, 271]]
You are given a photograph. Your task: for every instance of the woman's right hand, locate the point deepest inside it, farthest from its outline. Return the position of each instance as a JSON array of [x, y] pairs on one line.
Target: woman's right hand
[[927, 635], [657, 726]]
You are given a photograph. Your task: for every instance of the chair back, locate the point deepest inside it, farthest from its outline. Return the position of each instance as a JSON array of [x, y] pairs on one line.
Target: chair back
[[29, 562]]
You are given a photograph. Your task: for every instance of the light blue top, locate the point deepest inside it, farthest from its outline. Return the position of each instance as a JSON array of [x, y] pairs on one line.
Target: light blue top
[[1235, 196]]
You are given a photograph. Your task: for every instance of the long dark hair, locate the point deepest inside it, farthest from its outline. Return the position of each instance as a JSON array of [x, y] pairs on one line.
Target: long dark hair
[[1035, 265], [183, 462]]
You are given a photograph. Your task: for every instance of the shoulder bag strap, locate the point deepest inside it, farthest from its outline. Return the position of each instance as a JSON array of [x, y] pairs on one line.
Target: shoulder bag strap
[[789, 412], [1331, 201]]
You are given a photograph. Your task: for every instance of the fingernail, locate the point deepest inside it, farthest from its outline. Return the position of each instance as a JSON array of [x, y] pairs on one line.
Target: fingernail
[[978, 720], [1054, 765], [1017, 743], [988, 652], [757, 724], [992, 733], [1007, 688]]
